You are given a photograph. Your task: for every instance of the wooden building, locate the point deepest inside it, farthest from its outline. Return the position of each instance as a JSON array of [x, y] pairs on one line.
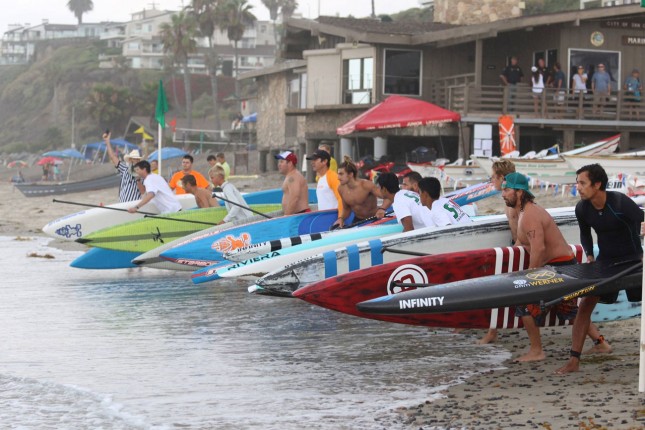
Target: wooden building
[[339, 67]]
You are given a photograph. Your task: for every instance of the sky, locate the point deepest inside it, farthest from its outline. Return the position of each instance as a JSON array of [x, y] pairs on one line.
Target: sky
[[56, 11]]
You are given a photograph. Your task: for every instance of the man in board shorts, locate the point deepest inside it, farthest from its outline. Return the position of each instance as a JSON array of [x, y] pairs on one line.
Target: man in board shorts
[[539, 234], [617, 221]]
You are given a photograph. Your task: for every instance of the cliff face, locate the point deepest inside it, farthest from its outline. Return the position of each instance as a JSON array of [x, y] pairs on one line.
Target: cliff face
[[36, 100]]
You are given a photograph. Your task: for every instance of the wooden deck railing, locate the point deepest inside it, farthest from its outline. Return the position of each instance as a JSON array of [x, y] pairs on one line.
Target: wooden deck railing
[[550, 104]]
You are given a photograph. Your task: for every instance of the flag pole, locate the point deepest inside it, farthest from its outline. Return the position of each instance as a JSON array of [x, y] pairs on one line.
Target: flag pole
[[160, 138], [641, 366]]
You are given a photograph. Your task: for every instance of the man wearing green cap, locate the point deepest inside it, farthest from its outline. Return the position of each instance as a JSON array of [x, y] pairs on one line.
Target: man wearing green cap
[[541, 237]]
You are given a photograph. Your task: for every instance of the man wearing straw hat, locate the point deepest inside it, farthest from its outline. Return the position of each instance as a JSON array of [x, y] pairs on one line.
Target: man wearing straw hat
[[130, 188]]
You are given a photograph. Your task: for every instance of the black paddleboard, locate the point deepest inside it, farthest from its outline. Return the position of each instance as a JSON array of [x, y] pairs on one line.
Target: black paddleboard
[[513, 289]]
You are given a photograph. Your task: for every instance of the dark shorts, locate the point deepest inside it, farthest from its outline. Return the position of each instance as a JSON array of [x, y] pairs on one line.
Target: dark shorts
[[565, 311], [633, 295]]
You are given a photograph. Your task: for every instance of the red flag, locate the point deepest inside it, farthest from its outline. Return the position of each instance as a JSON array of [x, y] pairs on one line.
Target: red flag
[[506, 134], [173, 124]]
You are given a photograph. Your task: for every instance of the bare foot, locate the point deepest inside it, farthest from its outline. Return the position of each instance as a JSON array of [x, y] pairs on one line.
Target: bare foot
[[531, 356], [573, 365], [601, 348], [490, 337]]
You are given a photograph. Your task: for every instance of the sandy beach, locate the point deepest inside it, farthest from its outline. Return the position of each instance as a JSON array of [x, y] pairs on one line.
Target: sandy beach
[[604, 394]]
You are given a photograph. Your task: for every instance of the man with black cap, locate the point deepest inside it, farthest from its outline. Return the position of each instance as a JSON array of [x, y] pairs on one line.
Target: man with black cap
[[328, 183], [295, 193]]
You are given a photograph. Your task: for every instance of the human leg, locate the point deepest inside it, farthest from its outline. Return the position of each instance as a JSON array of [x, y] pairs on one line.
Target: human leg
[[579, 331], [601, 346], [489, 337], [535, 341]]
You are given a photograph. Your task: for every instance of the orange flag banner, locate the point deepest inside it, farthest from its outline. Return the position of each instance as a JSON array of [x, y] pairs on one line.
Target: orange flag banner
[[506, 134]]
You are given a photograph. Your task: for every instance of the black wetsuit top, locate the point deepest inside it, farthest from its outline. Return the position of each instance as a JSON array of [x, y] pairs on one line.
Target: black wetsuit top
[[617, 226]]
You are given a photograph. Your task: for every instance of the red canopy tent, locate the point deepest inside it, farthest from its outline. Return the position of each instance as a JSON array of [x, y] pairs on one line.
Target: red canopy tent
[[398, 112]]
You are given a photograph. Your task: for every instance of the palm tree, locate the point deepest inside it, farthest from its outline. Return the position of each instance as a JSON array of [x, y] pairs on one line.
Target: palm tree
[[79, 7], [277, 7], [236, 15], [206, 14], [178, 38]]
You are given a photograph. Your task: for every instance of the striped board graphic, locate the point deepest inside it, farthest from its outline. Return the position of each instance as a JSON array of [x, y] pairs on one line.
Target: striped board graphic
[[343, 292], [486, 232]]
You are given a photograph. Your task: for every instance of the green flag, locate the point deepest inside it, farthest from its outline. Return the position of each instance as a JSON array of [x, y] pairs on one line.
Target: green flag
[[162, 106]]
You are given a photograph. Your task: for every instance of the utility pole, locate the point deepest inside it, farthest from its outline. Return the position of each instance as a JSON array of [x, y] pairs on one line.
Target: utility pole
[[374, 12]]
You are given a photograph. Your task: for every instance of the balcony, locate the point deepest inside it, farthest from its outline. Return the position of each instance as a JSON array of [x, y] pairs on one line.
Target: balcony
[[548, 108]]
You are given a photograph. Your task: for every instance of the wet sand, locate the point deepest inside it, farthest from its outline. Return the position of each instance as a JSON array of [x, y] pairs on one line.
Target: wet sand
[[604, 394]]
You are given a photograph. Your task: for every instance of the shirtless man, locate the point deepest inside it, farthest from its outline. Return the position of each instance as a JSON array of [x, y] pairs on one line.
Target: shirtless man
[[203, 197], [501, 168], [359, 195], [295, 193], [541, 237]]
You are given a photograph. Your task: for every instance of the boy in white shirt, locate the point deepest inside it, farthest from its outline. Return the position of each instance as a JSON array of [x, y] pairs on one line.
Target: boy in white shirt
[[406, 204], [441, 211]]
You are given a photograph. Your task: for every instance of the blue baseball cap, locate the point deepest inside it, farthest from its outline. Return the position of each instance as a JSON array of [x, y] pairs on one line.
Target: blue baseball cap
[[516, 181]]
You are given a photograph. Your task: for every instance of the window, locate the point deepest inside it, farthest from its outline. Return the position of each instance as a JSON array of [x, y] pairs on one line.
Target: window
[[402, 72], [298, 91], [358, 80]]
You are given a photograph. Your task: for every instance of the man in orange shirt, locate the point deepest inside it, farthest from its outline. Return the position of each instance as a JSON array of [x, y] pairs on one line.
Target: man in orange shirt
[[186, 169], [327, 188]]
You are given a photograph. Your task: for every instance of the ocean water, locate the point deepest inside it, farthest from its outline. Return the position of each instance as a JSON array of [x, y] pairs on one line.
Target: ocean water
[[146, 349]]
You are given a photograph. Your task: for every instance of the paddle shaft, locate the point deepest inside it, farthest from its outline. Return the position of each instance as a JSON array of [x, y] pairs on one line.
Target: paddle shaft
[[145, 214], [401, 251], [588, 289], [99, 206], [243, 207]]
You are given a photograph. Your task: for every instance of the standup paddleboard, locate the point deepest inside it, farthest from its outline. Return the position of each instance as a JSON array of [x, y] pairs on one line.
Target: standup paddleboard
[[80, 224], [485, 232], [148, 233], [512, 289], [209, 249]]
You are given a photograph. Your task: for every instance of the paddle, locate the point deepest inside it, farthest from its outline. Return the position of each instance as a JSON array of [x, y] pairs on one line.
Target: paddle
[[145, 214], [401, 251], [588, 289], [361, 222], [239, 205]]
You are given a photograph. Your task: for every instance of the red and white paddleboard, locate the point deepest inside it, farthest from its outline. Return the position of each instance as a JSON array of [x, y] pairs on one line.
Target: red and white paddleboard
[[342, 293]]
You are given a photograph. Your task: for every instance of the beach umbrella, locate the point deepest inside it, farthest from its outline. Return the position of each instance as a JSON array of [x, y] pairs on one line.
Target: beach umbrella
[[166, 153], [49, 160], [65, 153], [17, 164]]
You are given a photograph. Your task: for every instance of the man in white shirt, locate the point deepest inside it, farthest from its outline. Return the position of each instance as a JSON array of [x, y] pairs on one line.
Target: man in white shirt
[[231, 193], [406, 204], [156, 188], [441, 211]]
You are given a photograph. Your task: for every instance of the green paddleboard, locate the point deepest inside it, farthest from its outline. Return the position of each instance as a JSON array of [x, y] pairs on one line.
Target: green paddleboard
[[148, 233]]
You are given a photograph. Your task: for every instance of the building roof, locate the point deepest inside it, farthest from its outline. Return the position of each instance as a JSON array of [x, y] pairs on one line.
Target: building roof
[[276, 68], [411, 33], [369, 25]]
